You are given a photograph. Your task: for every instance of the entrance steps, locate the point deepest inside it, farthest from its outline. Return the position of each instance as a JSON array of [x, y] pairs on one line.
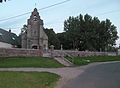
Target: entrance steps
[[60, 60], [46, 55], [63, 61]]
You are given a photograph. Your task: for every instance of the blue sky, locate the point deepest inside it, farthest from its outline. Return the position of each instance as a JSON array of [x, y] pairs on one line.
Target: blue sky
[[54, 17]]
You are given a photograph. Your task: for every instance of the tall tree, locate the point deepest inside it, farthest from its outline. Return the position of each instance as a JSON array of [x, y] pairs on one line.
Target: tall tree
[[87, 33], [2, 1], [64, 41], [52, 38]]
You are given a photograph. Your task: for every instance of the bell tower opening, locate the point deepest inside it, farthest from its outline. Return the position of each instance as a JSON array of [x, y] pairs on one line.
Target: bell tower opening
[[35, 18]]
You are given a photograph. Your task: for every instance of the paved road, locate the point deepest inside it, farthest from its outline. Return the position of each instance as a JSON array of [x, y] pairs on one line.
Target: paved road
[[69, 73], [99, 76]]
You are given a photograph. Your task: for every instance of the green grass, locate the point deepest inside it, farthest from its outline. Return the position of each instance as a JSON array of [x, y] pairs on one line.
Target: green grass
[[90, 59], [29, 62], [27, 79]]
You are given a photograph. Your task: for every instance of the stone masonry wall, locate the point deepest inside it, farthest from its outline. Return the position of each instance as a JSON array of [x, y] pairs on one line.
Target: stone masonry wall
[[77, 53], [15, 52]]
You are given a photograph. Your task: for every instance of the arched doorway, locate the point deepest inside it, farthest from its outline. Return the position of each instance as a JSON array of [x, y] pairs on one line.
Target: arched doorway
[[35, 46]]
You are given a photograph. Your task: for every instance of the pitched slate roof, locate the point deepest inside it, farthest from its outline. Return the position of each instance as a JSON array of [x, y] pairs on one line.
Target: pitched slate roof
[[9, 37]]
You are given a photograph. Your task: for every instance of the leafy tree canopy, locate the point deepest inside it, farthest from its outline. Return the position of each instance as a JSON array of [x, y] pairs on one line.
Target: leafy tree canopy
[[87, 33], [52, 38], [2, 1]]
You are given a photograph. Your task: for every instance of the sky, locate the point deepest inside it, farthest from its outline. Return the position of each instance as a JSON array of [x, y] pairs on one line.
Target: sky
[[54, 17]]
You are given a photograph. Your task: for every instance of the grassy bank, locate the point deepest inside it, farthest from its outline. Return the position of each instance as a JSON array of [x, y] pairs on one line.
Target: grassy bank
[[86, 60], [27, 80], [29, 62]]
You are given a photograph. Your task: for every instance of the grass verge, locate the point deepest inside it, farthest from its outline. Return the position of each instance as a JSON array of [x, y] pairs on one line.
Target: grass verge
[[90, 59], [29, 62], [27, 79]]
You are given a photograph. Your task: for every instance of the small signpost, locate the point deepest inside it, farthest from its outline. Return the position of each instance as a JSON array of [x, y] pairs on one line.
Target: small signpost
[[61, 47]]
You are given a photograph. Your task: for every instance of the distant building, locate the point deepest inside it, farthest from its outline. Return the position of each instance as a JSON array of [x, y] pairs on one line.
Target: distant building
[[8, 39], [34, 36]]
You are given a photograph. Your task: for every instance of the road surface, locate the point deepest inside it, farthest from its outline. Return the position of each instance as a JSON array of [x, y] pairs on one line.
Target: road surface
[[99, 76]]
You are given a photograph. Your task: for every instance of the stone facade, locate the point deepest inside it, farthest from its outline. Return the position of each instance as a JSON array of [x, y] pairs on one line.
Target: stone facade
[[34, 37]]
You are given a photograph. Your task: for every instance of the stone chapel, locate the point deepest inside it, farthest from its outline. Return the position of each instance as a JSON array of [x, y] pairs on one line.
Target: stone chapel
[[34, 37]]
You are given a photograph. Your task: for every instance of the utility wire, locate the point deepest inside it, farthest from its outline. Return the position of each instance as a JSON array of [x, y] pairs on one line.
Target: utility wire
[[54, 5], [38, 10], [13, 28], [109, 12]]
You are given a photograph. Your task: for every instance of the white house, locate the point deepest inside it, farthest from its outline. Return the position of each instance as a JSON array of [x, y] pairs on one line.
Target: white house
[[8, 39], [5, 45]]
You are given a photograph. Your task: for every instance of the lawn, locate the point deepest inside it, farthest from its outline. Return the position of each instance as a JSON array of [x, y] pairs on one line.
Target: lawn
[[90, 59], [27, 79], [29, 62]]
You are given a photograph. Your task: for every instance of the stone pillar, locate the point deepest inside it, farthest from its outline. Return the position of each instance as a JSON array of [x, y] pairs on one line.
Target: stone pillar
[[52, 50], [118, 52], [41, 50], [61, 47]]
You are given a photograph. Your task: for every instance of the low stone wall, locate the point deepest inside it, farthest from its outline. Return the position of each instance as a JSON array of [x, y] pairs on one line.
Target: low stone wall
[[16, 52], [77, 53]]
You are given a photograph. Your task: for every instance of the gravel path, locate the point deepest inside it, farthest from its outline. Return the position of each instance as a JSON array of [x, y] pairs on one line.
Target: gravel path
[[66, 73]]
